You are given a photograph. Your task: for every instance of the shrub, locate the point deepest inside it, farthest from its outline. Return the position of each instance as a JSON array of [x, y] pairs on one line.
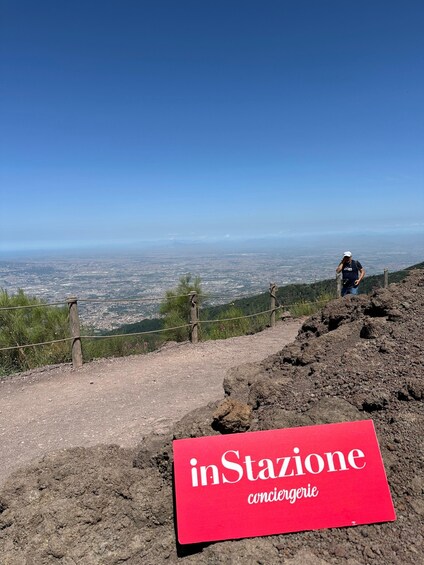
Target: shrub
[[176, 307], [229, 327], [24, 326], [304, 308], [117, 347]]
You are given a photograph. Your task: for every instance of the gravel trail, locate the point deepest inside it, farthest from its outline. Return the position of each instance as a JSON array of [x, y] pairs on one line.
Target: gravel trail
[[120, 400]]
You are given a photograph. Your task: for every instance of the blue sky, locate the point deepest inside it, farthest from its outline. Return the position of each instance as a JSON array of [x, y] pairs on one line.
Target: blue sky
[[126, 121]]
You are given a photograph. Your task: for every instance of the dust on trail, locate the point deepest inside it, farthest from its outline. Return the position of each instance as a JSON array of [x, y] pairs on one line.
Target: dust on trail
[[120, 400]]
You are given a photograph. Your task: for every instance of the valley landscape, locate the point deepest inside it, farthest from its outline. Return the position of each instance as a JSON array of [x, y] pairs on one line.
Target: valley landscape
[[227, 272]]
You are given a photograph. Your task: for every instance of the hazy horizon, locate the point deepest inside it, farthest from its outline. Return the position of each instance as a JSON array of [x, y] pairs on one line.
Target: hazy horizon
[[400, 240]]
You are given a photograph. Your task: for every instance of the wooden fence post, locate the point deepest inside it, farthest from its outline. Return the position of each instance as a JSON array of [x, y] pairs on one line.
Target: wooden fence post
[[386, 278], [339, 284], [272, 291], [194, 322], [75, 333]]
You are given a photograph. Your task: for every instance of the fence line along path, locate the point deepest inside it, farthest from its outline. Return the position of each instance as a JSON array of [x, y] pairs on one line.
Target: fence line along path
[[120, 400]]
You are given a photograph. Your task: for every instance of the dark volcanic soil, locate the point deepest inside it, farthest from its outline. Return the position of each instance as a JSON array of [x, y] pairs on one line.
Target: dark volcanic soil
[[360, 358]]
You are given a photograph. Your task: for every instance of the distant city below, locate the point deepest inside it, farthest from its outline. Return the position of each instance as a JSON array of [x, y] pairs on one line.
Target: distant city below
[[146, 275]]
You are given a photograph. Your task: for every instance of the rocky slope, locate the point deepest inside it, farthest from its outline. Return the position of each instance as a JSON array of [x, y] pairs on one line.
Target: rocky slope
[[361, 357]]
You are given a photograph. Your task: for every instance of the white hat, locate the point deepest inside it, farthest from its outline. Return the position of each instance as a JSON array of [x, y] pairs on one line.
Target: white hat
[[347, 254]]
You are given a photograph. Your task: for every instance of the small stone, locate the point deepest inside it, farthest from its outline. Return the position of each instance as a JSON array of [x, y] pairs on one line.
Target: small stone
[[340, 551], [232, 416], [280, 546], [416, 389], [418, 506], [375, 402], [403, 395], [394, 315], [368, 552]]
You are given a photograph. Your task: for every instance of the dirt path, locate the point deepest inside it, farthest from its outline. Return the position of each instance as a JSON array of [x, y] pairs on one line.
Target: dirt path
[[120, 400]]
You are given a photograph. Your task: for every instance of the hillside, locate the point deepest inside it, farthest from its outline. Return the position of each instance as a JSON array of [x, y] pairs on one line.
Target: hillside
[[359, 358], [292, 293], [286, 295]]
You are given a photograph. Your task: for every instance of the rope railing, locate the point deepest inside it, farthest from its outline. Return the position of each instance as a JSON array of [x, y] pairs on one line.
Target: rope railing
[[162, 330], [131, 334], [116, 300], [96, 300], [36, 344], [240, 317], [120, 300], [42, 305], [174, 328], [76, 337], [134, 334]]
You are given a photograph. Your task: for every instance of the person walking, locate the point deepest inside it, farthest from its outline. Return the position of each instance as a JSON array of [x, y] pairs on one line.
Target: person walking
[[352, 274]]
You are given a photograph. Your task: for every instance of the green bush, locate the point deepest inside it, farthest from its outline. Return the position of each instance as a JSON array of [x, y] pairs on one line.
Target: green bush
[[304, 308], [176, 307], [229, 327], [24, 326], [259, 323], [117, 347]]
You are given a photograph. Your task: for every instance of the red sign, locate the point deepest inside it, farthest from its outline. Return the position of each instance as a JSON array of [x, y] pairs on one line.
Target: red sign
[[272, 482]]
